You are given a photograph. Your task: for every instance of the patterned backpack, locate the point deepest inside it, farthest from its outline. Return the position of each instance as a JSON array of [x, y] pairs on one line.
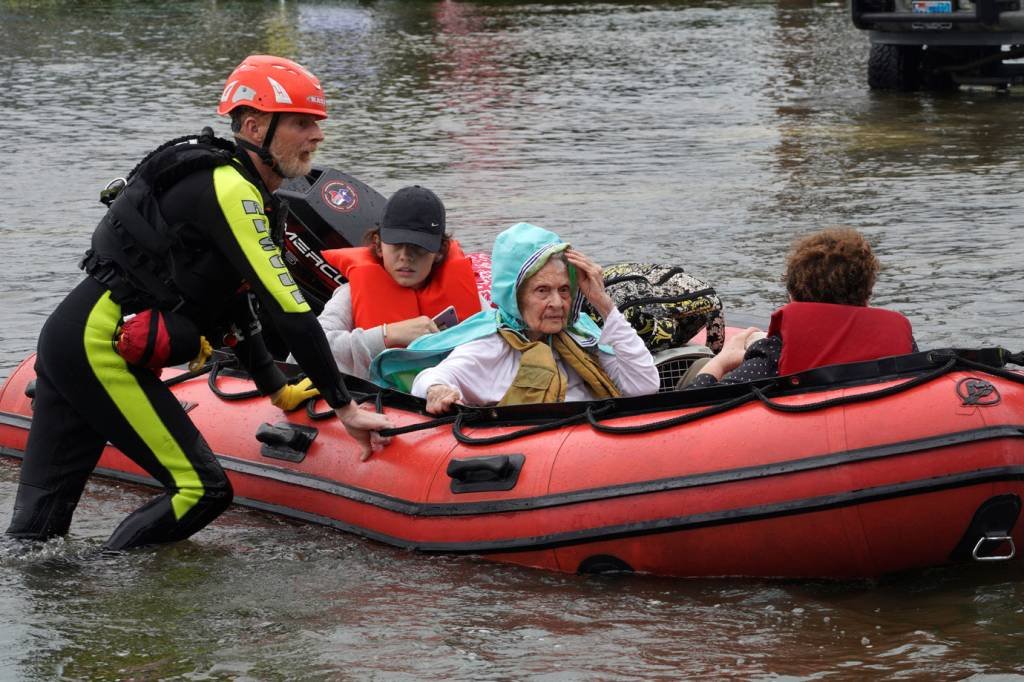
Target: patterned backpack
[[666, 306]]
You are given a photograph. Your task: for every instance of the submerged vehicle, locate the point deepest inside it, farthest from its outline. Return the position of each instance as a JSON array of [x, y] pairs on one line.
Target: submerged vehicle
[[941, 44]]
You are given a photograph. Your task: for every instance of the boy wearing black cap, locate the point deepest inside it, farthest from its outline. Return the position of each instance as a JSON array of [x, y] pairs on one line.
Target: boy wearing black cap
[[409, 271], [410, 237]]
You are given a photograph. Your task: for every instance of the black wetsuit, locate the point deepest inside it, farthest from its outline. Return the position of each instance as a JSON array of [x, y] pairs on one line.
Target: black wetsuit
[[86, 394]]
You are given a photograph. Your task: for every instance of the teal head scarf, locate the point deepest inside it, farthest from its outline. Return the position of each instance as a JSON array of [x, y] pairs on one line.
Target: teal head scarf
[[519, 252]]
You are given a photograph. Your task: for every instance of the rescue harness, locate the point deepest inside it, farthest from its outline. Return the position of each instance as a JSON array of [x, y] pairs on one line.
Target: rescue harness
[[132, 245]]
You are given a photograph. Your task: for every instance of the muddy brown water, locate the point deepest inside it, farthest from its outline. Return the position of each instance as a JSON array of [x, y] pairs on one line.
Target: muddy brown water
[[706, 135]]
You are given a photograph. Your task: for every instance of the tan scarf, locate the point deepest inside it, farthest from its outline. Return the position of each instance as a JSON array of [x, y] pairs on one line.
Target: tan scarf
[[539, 380]]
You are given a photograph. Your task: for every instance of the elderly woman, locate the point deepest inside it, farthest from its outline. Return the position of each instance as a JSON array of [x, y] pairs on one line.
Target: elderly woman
[[537, 346], [829, 276]]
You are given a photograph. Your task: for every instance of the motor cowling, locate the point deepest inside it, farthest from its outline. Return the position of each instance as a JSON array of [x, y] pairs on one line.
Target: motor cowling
[[327, 209]]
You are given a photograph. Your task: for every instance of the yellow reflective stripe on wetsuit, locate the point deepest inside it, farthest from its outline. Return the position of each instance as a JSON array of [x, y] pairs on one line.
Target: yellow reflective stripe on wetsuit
[[242, 207], [112, 373]]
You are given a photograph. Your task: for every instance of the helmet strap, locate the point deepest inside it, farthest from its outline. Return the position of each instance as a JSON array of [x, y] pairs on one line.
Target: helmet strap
[[264, 151]]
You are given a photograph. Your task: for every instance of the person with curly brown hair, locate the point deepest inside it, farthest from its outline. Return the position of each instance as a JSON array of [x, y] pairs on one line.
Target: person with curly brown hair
[[829, 275]]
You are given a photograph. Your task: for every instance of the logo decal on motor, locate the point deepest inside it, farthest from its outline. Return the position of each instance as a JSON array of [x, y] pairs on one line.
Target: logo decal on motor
[[340, 196], [974, 391], [324, 268]]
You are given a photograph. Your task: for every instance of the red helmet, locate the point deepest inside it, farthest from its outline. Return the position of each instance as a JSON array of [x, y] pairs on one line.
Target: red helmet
[[273, 84]]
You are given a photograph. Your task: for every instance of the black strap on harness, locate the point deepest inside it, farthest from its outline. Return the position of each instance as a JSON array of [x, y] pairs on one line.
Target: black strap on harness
[[204, 141], [132, 245]]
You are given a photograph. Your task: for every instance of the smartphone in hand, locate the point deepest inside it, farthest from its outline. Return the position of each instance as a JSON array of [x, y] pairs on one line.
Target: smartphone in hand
[[446, 318]]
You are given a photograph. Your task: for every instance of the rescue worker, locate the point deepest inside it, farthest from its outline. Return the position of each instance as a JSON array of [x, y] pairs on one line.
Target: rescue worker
[[219, 256]]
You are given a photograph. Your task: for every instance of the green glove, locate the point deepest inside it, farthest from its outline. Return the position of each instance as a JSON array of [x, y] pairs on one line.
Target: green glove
[[291, 396]]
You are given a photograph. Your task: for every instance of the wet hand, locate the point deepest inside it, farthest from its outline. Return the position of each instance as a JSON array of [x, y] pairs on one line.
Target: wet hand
[[441, 397], [590, 277], [401, 334], [364, 426]]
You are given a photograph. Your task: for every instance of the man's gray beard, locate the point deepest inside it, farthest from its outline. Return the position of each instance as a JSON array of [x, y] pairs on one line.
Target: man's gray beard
[[297, 171], [294, 167]]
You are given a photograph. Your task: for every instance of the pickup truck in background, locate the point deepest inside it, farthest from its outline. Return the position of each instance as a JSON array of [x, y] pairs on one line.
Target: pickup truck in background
[[942, 44]]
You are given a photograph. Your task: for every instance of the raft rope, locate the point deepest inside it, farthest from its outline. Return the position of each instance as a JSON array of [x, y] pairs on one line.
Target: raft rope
[[468, 416], [596, 411], [593, 412], [673, 421], [191, 374], [212, 383], [857, 397], [1014, 358]]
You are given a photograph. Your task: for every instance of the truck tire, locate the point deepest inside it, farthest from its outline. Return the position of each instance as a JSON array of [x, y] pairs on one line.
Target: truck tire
[[894, 67]]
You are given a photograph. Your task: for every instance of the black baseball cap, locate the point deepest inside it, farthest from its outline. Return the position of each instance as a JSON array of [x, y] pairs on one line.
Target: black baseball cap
[[413, 215]]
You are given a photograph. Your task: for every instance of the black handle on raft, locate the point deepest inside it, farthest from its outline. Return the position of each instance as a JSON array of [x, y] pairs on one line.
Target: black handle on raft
[[477, 474], [283, 435], [285, 440], [479, 468]]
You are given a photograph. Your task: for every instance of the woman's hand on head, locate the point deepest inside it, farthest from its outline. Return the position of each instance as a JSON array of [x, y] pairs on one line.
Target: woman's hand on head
[[590, 277], [401, 334], [441, 397]]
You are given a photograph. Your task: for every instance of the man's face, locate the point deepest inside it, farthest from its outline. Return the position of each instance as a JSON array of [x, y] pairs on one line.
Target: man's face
[[295, 141], [544, 299]]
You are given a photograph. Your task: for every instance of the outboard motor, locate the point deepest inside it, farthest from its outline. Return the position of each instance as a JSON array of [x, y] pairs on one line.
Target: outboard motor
[[327, 209]]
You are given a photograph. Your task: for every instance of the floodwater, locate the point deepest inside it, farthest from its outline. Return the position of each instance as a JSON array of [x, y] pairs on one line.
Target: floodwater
[[704, 134]]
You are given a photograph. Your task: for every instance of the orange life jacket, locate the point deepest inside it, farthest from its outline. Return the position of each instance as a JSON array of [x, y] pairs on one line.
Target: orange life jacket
[[377, 298], [819, 334]]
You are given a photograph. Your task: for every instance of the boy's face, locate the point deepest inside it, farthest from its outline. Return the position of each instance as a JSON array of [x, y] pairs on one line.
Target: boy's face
[[408, 264]]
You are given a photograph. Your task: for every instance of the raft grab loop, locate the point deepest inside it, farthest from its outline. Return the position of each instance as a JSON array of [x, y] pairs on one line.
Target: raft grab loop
[[990, 530], [215, 369], [999, 540]]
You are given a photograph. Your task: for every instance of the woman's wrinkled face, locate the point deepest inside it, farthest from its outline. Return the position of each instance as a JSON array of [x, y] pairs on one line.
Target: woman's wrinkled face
[[545, 298], [408, 264]]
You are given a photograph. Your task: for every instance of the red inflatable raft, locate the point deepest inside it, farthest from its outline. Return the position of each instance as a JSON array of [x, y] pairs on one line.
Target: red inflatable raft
[[848, 471]]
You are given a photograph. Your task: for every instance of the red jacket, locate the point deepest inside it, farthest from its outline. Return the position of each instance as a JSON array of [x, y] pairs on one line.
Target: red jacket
[[818, 334], [377, 298]]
